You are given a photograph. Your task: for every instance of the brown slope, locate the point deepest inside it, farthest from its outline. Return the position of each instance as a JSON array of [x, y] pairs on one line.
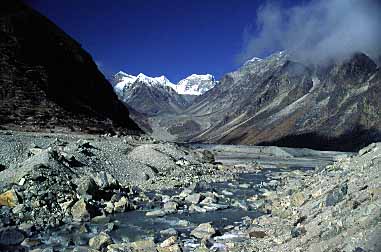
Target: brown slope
[[49, 82]]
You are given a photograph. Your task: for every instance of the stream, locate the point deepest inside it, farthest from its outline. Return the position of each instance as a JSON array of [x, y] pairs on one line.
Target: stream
[[236, 208]]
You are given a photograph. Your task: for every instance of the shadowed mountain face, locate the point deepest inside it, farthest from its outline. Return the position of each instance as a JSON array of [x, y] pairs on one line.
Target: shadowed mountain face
[[49, 82], [153, 100], [282, 102]]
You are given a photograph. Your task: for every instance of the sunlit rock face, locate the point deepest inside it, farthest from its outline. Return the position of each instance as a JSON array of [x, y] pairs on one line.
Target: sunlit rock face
[[280, 101]]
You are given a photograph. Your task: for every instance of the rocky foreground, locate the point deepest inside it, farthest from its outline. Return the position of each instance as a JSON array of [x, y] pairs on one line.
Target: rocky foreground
[[75, 193], [336, 208]]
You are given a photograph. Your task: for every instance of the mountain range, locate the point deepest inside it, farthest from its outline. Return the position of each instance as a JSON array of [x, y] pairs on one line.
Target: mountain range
[[49, 83], [157, 95], [282, 101]]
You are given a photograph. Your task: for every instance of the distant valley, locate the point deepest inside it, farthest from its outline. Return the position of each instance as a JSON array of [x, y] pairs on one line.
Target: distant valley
[[275, 100]]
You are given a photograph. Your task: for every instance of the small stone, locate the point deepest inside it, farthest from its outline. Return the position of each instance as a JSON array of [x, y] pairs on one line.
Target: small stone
[[182, 162], [209, 200], [203, 231], [183, 223], [109, 207], [18, 209], [194, 198], [196, 209], [257, 234], [34, 151], [168, 232], [208, 156], [22, 182], [100, 219], [79, 211], [168, 242], [143, 246], [298, 231], [119, 247], [336, 195], [155, 213], [227, 193], [9, 199], [121, 205], [244, 186], [66, 205], [29, 243], [298, 199], [172, 248], [100, 241], [170, 207]]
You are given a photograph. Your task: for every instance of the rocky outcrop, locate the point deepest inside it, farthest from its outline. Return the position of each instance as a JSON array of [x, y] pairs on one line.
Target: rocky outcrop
[[334, 208], [48, 82]]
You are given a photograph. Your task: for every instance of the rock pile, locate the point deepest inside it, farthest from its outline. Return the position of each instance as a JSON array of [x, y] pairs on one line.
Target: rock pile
[[336, 208]]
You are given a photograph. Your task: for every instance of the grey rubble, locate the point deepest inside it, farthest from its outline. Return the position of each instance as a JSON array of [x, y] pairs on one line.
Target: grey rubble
[[59, 178], [133, 160], [337, 208], [87, 177]]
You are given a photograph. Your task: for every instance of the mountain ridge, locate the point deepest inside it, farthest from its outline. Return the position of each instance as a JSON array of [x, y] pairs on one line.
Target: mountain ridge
[[49, 82], [276, 100]]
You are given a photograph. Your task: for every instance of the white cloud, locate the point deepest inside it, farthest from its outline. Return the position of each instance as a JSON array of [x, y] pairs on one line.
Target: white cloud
[[317, 31]]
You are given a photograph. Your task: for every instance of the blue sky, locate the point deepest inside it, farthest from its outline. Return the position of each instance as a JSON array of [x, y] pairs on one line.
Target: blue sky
[[174, 37]]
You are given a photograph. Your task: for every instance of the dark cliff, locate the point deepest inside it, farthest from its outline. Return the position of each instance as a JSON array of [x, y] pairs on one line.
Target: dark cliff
[[48, 82]]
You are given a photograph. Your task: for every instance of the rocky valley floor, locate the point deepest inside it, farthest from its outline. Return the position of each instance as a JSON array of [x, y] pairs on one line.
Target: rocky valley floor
[[63, 192]]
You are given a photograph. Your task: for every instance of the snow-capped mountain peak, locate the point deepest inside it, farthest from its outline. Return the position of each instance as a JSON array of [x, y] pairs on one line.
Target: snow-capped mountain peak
[[154, 81], [196, 84], [253, 60]]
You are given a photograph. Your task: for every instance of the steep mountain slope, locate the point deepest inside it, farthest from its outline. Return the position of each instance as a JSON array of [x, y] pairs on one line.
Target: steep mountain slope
[[279, 101], [48, 81]]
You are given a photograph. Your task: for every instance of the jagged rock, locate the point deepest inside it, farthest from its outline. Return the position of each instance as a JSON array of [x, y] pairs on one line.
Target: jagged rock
[[80, 211], [208, 156], [194, 198], [298, 199], [86, 185], [100, 242], [109, 207], [196, 209], [169, 242], [121, 205], [8, 198], [336, 195], [119, 247], [144, 245], [168, 232], [170, 207], [172, 248], [298, 231], [210, 199], [203, 231], [11, 236], [105, 180]]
